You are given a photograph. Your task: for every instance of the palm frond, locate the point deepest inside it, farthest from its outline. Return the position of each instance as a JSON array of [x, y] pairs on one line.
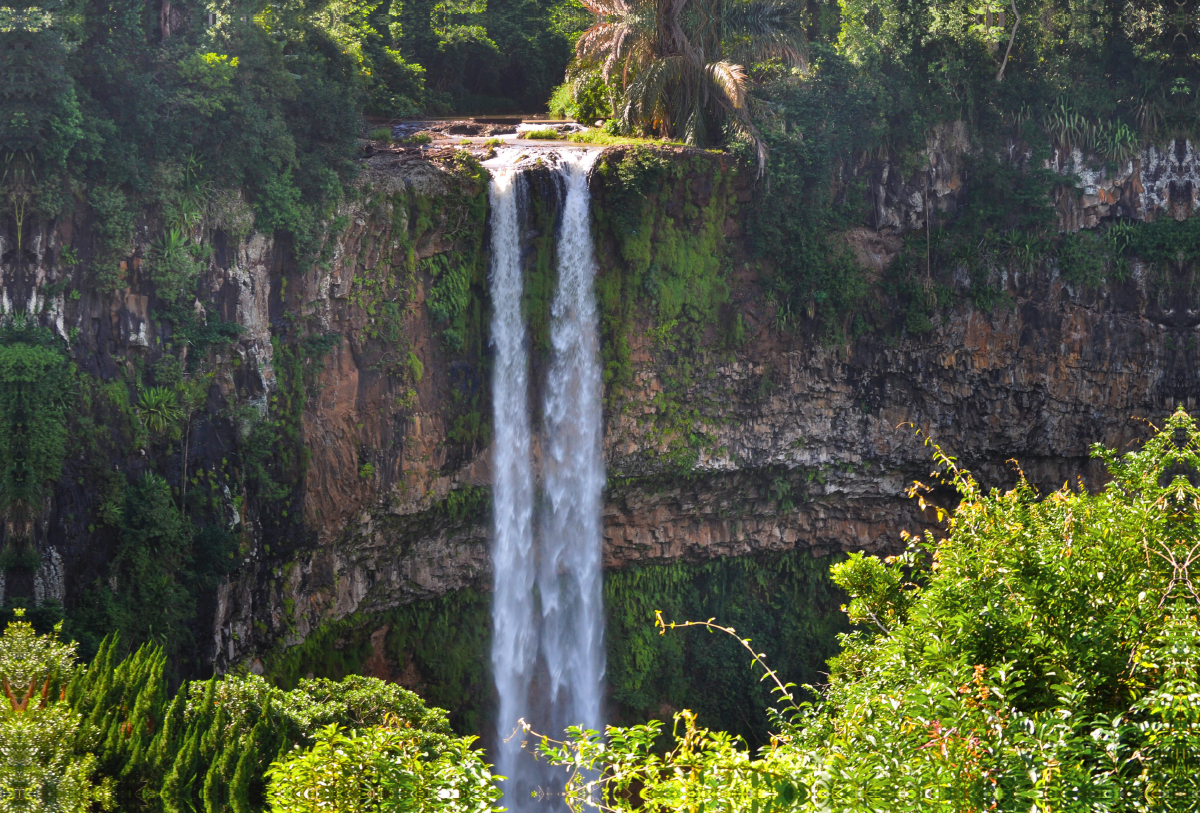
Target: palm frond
[[644, 98], [599, 41], [683, 61], [761, 30], [730, 79]]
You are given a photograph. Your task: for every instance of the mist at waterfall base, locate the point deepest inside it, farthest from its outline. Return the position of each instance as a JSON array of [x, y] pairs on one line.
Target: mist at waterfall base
[[548, 624]]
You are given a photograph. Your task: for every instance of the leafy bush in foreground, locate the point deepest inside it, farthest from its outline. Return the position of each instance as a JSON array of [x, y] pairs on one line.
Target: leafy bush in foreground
[[384, 768], [1042, 656]]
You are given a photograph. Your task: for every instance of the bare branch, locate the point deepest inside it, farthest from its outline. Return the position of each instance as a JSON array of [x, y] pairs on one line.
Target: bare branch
[[1011, 39]]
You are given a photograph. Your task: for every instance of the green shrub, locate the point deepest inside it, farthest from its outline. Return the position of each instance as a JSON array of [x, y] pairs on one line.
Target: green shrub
[[419, 138], [584, 97], [208, 749], [173, 266], [150, 569], [383, 134], [547, 133], [16, 555], [1040, 655], [1082, 259], [113, 225], [36, 381], [383, 769], [45, 742]]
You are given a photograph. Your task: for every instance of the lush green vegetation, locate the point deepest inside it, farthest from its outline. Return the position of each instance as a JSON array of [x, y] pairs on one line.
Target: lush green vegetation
[[786, 601], [109, 735], [1041, 656], [826, 94], [682, 65], [884, 79], [171, 110], [36, 384], [157, 135], [383, 769]]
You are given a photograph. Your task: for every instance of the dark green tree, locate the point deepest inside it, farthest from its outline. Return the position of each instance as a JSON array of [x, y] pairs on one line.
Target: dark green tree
[[35, 385]]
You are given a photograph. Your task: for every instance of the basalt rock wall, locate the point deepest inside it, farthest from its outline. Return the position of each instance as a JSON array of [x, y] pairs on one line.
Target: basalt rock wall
[[714, 447]]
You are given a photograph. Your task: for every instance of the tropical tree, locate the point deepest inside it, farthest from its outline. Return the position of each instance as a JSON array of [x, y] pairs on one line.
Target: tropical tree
[[45, 762], [682, 63], [208, 749]]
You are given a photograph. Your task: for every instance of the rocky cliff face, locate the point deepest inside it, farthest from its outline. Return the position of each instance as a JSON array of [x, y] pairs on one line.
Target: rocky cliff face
[[793, 444], [716, 444]]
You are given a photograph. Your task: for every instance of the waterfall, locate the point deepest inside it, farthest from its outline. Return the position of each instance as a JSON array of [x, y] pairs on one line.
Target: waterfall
[[514, 636], [568, 578], [547, 646]]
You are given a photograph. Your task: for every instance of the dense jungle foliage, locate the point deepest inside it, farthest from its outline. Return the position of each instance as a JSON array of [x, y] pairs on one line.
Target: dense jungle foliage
[[110, 736], [146, 104], [1040, 656], [164, 133]]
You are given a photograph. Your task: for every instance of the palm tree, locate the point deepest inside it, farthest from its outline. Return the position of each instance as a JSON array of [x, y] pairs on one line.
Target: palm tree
[[682, 61]]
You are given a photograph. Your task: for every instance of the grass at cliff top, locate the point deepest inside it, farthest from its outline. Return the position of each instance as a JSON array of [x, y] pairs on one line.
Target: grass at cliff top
[[609, 140]]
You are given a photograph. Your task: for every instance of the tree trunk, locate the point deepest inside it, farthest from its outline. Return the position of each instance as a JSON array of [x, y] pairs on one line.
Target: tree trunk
[[1011, 39], [187, 436]]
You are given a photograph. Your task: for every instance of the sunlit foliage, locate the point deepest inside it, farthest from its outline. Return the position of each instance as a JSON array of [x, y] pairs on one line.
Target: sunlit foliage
[[1040, 656], [386, 768], [45, 763], [682, 66]]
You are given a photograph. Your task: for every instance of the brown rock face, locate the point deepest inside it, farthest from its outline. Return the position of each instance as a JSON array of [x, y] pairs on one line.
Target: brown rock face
[[822, 455], [800, 445], [783, 443]]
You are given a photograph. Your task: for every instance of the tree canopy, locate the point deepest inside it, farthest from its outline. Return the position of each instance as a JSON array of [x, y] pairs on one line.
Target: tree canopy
[[109, 735]]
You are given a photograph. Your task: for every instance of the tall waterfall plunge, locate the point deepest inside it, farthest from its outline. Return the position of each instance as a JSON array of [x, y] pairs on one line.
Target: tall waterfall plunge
[[547, 645], [514, 636]]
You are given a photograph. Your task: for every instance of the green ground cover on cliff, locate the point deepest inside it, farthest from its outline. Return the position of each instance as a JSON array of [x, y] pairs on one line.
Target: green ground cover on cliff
[[874, 84], [139, 110], [441, 647], [886, 79]]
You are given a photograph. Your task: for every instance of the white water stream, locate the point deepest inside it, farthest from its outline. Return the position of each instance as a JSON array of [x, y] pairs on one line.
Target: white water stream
[[547, 650], [514, 636]]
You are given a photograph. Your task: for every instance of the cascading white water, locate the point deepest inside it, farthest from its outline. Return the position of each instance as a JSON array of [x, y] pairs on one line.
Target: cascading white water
[[573, 471], [549, 665], [514, 635]]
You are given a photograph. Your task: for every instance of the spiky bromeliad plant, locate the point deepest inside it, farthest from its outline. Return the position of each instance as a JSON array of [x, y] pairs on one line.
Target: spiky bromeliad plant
[[682, 62], [1043, 656], [159, 408]]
